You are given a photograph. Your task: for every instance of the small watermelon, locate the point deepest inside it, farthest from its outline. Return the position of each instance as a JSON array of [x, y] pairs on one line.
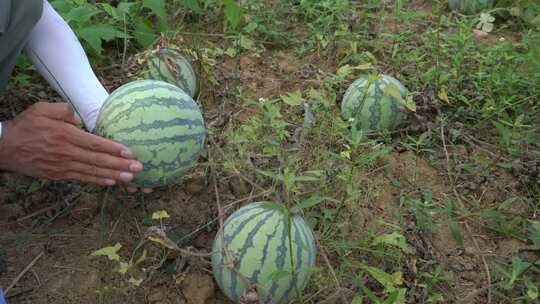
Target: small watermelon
[[169, 65], [160, 123], [257, 238], [375, 103], [470, 7]]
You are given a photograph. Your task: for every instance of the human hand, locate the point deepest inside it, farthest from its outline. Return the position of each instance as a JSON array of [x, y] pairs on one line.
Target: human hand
[[44, 141]]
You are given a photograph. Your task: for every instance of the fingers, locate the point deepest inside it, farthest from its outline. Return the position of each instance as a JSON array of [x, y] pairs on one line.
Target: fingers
[[96, 143], [105, 173], [103, 160], [76, 176], [144, 190]]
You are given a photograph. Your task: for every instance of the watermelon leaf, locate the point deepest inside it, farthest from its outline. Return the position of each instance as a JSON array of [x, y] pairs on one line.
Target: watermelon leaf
[[310, 202], [233, 13], [158, 8], [94, 34], [394, 239], [389, 281], [534, 229], [293, 99], [532, 289], [144, 33]]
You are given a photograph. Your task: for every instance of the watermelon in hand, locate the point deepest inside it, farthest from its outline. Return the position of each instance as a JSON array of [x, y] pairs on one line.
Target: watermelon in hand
[[256, 261], [160, 123], [469, 7], [169, 65], [375, 103]]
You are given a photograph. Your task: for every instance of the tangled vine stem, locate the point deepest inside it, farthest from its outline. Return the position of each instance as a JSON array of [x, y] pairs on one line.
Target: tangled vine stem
[[231, 263]]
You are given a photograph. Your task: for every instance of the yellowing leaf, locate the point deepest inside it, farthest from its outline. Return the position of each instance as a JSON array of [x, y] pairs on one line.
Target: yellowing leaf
[[141, 258], [110, 252], [158, 215], [122, 268], [136, 282], [409, 103], [320, 97], [293, 99], [443, 95], [231, 52], [347, 69]]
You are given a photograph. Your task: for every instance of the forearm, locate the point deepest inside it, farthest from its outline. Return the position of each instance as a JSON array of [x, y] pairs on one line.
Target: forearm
[[59, 57]]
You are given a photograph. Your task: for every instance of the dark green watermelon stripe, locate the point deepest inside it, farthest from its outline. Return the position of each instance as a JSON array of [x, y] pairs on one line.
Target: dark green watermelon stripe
[[248, 243], [162, 124], [241, 212], [145, 85], [158, 132], [147, 102], [132, 96], [134, 87], [163, 140], [181, 162], [230, 237], [280, 259], [375, 108], [298, 263], [364, 96], [255, 276], [221, 255]]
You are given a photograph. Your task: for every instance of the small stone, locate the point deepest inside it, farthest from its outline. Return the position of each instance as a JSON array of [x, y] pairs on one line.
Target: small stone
[[10, 212]]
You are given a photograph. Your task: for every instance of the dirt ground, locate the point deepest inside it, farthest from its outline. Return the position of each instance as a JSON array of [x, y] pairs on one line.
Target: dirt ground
[[55, 228]]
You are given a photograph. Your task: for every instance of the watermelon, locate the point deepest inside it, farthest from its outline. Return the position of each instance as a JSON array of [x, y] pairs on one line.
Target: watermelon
[[169, 65], [160, 123], [469, 7], [375, 103], [257, 240]]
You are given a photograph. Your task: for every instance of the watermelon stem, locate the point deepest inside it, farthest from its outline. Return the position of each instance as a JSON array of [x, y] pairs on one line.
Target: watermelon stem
[[293, 272]]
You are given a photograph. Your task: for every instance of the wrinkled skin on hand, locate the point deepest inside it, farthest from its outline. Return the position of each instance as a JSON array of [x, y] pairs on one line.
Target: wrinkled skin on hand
[[44, 141]]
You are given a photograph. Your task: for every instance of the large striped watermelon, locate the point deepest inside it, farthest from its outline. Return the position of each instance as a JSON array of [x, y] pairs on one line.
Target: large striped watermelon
[[470, 7], [160, 123], [257, 239], [375, 103], [169, 65]]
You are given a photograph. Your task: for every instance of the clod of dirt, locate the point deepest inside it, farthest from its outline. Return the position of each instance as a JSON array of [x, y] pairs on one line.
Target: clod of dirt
[[198, 288], [157, 297], [10, 212], [239, 187], [194, 185], [286, 66]]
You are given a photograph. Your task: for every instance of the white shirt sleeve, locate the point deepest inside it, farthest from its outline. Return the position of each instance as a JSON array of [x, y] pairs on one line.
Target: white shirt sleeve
[[58, 55]]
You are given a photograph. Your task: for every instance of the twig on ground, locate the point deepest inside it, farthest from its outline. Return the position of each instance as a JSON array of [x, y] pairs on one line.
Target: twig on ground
[[467, 227], [221, 214], [25, 270]]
